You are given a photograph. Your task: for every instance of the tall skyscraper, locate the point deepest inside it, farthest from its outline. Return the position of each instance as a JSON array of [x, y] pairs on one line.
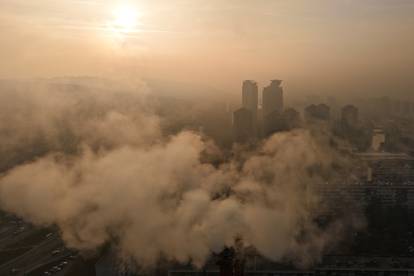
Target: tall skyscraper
[[250, 97], [272, 98], [272, 107], [243, 125], [245, 118]]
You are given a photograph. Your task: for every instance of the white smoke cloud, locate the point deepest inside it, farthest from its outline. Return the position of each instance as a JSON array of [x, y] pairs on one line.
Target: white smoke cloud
[[152, 195]]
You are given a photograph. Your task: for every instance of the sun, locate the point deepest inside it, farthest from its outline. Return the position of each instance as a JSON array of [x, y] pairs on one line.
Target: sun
[[125, 19]]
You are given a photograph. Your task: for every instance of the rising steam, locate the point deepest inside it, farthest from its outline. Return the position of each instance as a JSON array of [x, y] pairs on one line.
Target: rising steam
[[93, 161]]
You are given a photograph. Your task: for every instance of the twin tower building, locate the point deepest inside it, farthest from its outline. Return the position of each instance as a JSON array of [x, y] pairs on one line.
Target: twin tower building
[[253, 120]]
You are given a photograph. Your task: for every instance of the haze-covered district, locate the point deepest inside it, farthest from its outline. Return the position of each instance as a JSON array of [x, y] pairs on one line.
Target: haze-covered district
[[195, 138]]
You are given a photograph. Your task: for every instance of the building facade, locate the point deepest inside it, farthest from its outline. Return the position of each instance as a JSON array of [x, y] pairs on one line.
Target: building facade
[[273, 98]]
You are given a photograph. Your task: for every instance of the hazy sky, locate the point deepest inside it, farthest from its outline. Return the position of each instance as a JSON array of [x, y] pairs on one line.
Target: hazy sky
[[315, 45]]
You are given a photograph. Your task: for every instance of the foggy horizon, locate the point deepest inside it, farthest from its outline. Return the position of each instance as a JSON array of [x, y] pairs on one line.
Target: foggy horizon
[[319, 47]]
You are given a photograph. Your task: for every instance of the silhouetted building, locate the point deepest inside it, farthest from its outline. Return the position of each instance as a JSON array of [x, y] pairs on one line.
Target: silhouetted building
[[250, 99], [243, 126], [272, 123], [319, 112], [276, 121], [350, 116], [272, 98], [272, 107]]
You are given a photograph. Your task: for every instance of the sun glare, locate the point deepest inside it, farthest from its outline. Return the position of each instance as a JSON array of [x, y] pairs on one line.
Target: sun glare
[[125, 20]]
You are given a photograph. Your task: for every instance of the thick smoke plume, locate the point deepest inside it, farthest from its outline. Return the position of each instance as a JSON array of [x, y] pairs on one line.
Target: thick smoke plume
[[93, 160]]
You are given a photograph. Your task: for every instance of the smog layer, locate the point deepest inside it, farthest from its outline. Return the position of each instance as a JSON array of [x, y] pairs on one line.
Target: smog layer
[[93, 159]]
